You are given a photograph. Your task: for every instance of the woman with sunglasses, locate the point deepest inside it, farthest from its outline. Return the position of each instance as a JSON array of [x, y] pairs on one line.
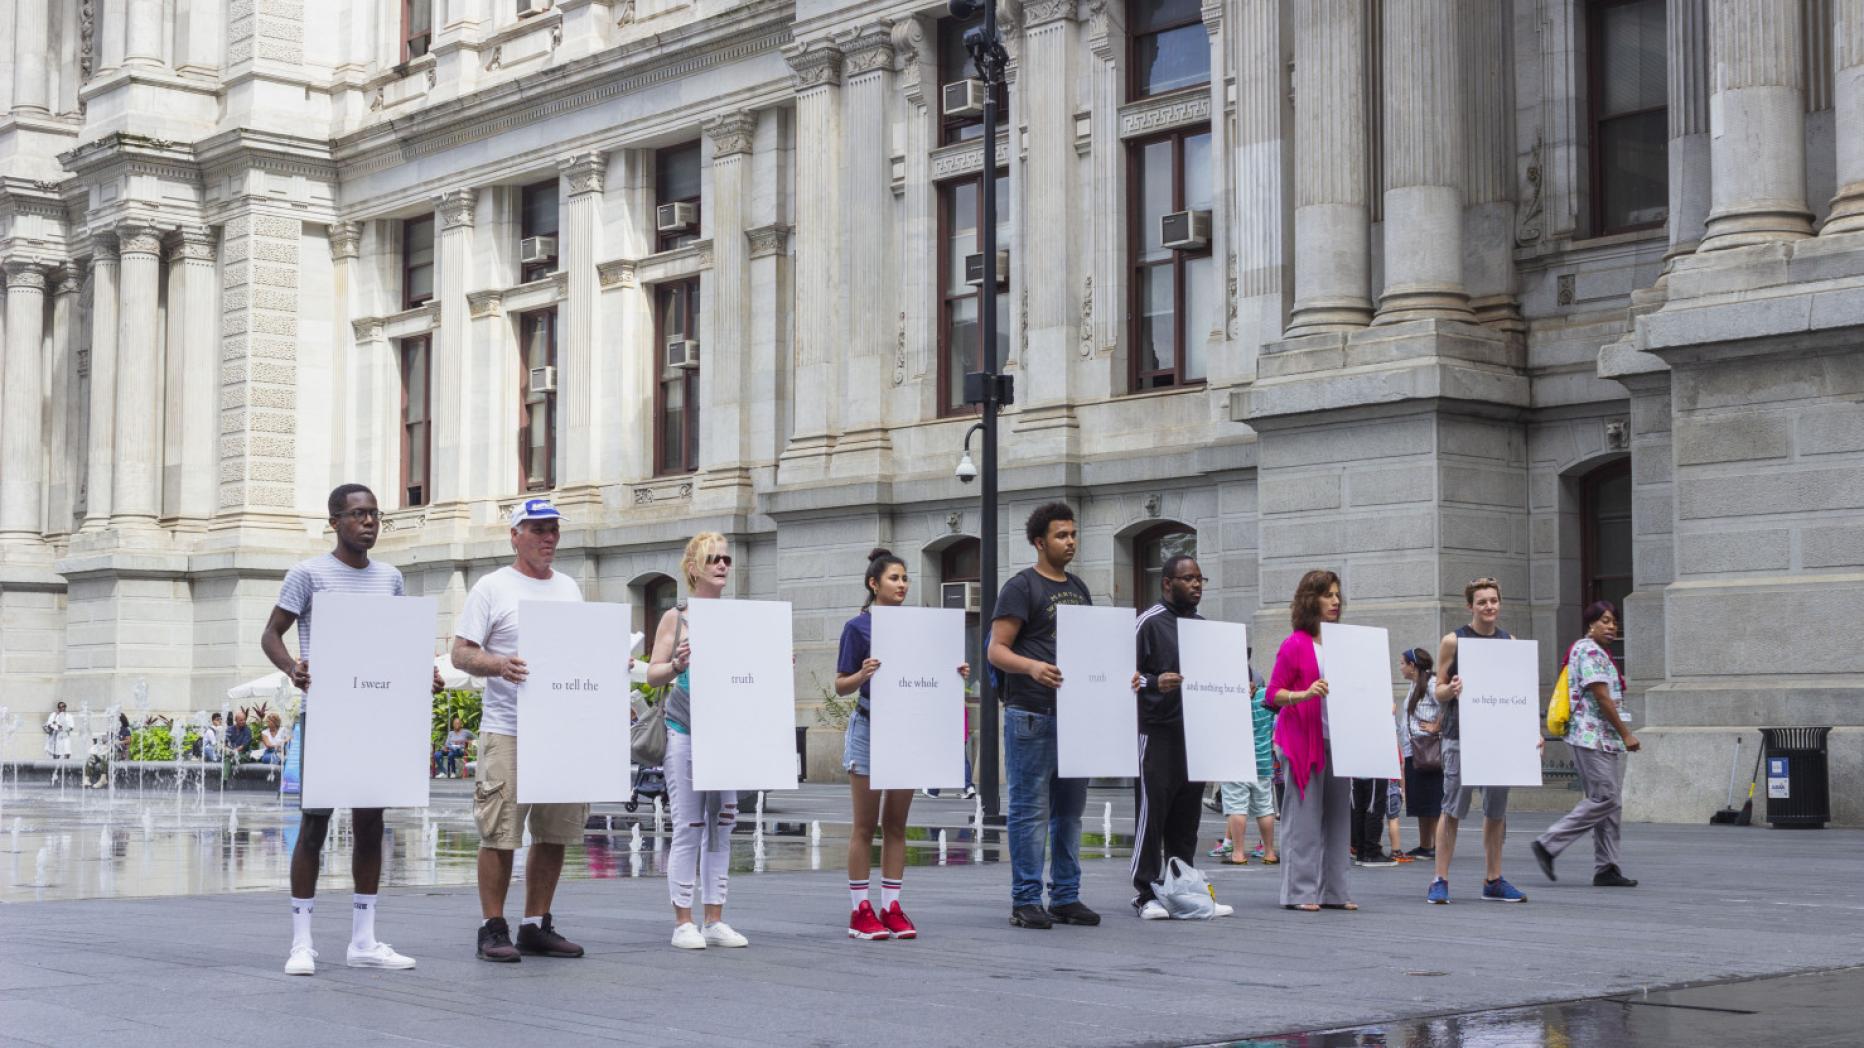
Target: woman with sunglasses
[[855, 666], [699, 860]]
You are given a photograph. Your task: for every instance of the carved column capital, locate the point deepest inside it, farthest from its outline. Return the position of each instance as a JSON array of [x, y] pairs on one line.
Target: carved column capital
[[814, 65], [25, 274], [732, 133], [768, 240], [584, 172], [868, 49], [103, 247], [137, 239], [456, 207], [1042, 12], [196, 243], [70, 280], [345, 241]]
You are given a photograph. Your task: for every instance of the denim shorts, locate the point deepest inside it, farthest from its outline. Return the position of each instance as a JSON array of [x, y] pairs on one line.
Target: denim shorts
[[854, 745]]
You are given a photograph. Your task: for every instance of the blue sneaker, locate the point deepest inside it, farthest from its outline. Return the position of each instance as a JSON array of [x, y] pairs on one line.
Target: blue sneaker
[[1439, 892], [1499, 890]]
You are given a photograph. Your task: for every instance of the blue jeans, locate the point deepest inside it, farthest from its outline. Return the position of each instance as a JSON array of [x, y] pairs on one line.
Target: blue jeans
[[1045, 812]]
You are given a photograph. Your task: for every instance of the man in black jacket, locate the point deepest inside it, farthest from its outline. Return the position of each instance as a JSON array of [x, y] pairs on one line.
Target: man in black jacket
[[1168, 804]]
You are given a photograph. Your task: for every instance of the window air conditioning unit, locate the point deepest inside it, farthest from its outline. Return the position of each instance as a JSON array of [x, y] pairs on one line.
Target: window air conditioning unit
[[537, 249], [532, 7], [1185, 230], [543, 380], [966, 596], [682, 353], [974, 269], [962, 98], [675, 218]]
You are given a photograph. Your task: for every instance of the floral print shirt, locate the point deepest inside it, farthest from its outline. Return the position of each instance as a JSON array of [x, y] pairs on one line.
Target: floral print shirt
[[1588, 664]]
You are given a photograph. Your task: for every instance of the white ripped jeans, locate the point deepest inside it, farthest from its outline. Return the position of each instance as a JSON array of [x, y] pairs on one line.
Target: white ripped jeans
[[701, 849]]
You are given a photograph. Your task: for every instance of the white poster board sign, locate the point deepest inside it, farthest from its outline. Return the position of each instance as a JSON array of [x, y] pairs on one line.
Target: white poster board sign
[[744, 695], [573, 706], [1096, 714], [1355, 661], [1500, 716], [1219, 722], [917, 738], [372, 686]]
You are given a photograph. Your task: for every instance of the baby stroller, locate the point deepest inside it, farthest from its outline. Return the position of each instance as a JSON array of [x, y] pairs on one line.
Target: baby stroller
[[647, 783]]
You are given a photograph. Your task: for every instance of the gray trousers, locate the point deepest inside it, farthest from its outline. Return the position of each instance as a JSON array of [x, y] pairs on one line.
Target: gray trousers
[[1602, 776], [1316, 840]]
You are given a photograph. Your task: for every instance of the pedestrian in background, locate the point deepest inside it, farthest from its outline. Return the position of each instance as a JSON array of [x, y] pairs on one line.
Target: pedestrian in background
[[1423, 751], [1600, 742]]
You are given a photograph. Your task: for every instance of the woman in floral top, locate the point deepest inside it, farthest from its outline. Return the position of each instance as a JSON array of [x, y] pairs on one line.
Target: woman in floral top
[[1599, 741]]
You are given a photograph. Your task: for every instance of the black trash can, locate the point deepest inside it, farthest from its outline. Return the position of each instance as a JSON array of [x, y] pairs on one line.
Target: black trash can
[[802, 754], [1799, 789]]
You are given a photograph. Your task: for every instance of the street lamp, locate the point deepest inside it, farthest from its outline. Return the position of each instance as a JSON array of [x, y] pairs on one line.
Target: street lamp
[[987, 388]]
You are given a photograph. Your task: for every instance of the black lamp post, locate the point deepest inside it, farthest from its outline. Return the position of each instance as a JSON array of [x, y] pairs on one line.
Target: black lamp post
[[988, 387]]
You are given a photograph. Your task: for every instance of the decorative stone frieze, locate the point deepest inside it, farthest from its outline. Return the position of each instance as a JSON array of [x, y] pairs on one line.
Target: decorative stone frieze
[[1164, 114]]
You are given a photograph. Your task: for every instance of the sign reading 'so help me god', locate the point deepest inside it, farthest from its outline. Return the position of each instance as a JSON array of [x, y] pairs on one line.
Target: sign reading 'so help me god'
[[1500, 719], [743, 695], [365, 744], [573, 706]]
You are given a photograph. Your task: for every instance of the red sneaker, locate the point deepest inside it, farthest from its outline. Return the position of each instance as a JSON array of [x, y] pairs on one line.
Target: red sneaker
[[862, 924], [897, 923]]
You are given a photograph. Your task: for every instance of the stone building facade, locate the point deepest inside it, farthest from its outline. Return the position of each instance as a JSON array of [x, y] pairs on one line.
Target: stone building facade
[[1569, 292]]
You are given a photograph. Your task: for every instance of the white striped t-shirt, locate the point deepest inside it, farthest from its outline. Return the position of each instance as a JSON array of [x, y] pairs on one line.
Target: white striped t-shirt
[[326, 573]]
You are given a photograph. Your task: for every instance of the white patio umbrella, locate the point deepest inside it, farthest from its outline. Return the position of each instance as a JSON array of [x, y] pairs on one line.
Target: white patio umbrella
[[269, 686]]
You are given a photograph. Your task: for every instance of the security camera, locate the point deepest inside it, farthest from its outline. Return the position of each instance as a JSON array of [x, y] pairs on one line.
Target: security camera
[[967, 470]]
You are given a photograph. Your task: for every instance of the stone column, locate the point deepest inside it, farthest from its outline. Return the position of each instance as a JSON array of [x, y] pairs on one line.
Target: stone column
[[820, 206], [456, 388], [258, 390], [1261, 155], [1332, 224], [1686, 27], [61, 381], [1758, 150], [1848, 113], [725, 354], [356, 370], [135, 497], [1487, 42], [31, 42], [861, 450], [198, 398], [1052, 239], [1107, 308], [143, 33], [101, 450], [1425, 138], [579, 436], [21, 479]]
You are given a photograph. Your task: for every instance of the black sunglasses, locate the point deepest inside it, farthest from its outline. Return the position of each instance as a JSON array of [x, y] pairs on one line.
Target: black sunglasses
[[718, 558]]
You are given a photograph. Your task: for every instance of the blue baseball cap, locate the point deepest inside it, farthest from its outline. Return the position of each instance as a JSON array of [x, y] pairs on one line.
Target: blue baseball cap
[[533, 509]]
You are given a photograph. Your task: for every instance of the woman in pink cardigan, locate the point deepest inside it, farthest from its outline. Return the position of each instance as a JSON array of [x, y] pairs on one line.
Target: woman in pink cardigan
[[1317, 813]]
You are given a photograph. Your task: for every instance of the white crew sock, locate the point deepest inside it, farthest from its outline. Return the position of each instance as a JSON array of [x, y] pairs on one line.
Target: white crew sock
[[857, 894], [301, 922], [362, 922], [889, 892], [538, 921]]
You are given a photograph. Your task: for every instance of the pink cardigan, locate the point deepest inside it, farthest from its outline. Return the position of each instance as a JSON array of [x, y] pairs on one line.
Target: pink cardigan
[[1297, 727]]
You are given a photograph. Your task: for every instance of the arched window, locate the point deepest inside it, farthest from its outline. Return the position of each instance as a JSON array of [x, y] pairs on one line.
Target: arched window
[[1605, 539], [962, 562], [1151, 548], [658, 595]]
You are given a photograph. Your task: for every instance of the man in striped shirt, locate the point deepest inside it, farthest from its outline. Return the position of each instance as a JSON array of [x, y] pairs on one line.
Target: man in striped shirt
[[357, 521]]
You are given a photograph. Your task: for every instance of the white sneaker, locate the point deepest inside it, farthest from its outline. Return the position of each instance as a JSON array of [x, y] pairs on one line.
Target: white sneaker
[[1223, 909], [381, 955], [303, 961], [719, 933], [687, 937], [1154, 910]]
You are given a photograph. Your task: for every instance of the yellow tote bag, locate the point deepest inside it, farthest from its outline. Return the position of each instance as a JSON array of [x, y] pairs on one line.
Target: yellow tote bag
[[1559, 707]]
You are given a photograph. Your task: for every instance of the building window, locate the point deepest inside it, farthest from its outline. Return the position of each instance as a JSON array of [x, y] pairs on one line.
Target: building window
[[417, 28], [417, 261], [676, 391], [962, 562], [658, 596], [417, 438], [954, 64], [1172, 289], [676, 181], [537, 401], [537, 217], [1628, 107], [1151, 549], [1605, 540], [1170, 48], [960, 347]]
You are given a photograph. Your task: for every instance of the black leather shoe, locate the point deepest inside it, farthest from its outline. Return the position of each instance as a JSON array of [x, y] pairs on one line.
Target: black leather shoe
[[1031, 917], [495, 942], [1074, 913], [543, 940], [1545, 858], [1612, 877]]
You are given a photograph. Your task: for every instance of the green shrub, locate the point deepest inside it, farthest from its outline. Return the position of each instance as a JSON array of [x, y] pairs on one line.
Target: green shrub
[[468, 706]]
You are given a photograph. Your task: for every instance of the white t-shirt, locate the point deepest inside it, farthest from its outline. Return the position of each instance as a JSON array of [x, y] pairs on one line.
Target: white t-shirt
[[490, 620]]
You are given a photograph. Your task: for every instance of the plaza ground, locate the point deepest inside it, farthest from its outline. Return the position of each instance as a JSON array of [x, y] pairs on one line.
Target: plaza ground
[[155, 966]]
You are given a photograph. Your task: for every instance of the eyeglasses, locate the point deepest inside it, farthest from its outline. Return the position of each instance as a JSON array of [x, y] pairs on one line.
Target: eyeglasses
[[1485, 583], [1194, 579], [718, 558], [361, 515]]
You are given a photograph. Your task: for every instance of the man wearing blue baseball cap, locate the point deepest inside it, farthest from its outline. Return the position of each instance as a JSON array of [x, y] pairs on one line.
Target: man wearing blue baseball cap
[[485, 644]]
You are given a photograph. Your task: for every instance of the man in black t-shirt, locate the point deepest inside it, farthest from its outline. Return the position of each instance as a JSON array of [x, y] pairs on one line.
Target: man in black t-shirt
[[1045, 809]]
